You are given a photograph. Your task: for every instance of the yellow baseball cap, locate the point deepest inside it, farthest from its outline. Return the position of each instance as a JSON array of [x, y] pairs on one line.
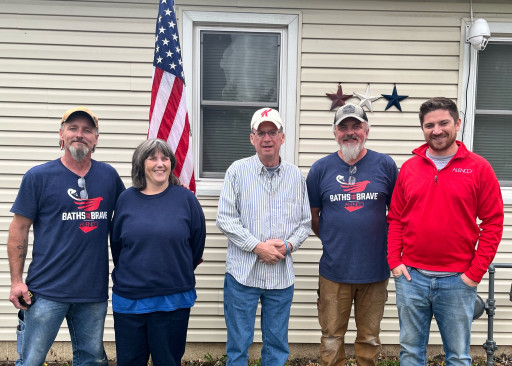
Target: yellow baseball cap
[[83, 109]]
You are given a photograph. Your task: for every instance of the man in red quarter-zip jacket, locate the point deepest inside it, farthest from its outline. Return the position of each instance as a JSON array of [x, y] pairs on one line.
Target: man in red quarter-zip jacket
[[433, 236]]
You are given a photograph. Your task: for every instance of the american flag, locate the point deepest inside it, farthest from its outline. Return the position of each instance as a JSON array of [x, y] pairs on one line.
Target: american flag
[[168, 116]]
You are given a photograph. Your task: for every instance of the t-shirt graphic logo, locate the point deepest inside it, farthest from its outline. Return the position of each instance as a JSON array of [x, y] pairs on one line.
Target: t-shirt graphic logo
[[90, 204], [353, 205], [351, 187], [354, 196], [357, 187], [354, 188], [90, 214]]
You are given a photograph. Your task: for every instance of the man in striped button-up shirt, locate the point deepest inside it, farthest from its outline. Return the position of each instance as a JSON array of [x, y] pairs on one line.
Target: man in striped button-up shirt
[[264, 212]]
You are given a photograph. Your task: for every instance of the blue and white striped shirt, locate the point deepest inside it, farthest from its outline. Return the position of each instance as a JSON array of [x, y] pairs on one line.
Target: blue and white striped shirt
[[255, 207]]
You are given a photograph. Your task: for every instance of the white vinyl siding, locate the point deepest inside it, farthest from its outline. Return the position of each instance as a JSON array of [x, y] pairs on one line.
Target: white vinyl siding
[[58, 54], [55, 54]]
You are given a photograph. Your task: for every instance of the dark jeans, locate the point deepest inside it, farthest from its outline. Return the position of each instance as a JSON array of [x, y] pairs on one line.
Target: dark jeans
[[162, 334]]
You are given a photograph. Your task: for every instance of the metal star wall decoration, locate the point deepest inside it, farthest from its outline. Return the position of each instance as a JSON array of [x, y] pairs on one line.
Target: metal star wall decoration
[[339, 98], [394, 99], [366, 98]]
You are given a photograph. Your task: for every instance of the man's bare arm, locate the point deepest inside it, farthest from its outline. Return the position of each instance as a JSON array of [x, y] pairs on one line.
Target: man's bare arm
[[315, 220], [17, 248]]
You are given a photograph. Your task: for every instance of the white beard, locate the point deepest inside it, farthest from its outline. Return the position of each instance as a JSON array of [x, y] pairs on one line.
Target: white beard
[[77, 153], [350, 152]]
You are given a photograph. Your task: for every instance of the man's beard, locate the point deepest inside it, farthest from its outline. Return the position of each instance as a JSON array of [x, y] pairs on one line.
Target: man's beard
[[351, 151], [78, 154]]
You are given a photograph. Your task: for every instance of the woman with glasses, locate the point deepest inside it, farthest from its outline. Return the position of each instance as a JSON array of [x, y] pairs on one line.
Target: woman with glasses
[[157, 241]]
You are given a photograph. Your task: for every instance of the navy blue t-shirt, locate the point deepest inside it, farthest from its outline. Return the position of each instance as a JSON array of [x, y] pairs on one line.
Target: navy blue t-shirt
[[70, 249], [353, 227]]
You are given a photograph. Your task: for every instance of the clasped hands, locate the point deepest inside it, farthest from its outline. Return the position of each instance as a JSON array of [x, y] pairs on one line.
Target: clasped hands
[[270, 251]]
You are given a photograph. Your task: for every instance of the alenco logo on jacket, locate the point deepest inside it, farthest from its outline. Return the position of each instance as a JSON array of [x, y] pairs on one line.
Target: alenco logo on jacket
[[355, 194], [460, 170], [87, 212]]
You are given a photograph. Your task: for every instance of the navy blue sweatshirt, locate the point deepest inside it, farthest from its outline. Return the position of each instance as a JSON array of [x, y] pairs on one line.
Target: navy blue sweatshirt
[[157, 241]]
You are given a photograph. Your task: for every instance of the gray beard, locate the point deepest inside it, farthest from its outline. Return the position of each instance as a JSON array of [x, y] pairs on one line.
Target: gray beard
[[78, 154], [351, 152]]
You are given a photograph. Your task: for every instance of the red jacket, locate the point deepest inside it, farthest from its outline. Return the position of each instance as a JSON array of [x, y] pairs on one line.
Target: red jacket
[[432, 217]]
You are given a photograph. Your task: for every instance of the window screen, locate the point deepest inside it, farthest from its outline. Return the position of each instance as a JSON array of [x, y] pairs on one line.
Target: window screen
[[493, 115], [239, 74]]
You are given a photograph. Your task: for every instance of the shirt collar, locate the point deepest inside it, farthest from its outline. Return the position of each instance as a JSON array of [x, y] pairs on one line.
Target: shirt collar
[[262, 169]]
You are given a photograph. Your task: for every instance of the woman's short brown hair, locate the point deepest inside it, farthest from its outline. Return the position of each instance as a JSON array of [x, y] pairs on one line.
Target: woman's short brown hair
[[145, 150]]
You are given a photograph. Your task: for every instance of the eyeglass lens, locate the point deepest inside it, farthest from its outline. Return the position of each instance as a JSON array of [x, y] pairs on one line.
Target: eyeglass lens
[[272, 133], [83, 192], [352, 171]]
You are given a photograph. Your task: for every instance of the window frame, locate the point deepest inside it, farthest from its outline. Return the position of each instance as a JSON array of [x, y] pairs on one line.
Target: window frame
[[469, 83], [202, 102], [193, 23]]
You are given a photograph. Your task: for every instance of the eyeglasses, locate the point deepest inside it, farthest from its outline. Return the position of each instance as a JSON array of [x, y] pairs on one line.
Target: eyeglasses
[[83, 192], [352, 171], [271, 133]]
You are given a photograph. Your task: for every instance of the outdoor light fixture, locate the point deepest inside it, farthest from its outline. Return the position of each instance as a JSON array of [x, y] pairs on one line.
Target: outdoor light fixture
[[478, 34]]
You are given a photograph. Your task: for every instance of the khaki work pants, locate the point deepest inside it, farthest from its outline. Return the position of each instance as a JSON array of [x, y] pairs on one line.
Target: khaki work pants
[[334, 304]]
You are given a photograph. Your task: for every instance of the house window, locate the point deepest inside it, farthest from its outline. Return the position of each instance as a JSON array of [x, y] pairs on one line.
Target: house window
[[235, 64], [239, 74], [486, 103], [493, 114]]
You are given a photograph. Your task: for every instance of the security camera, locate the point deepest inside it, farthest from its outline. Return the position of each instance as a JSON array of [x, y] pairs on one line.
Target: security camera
[[479, 34]]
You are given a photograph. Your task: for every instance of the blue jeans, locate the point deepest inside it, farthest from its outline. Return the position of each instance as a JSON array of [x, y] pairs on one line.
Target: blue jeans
[[39, 325], [240, 304], [163, 334], [450, 301]]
